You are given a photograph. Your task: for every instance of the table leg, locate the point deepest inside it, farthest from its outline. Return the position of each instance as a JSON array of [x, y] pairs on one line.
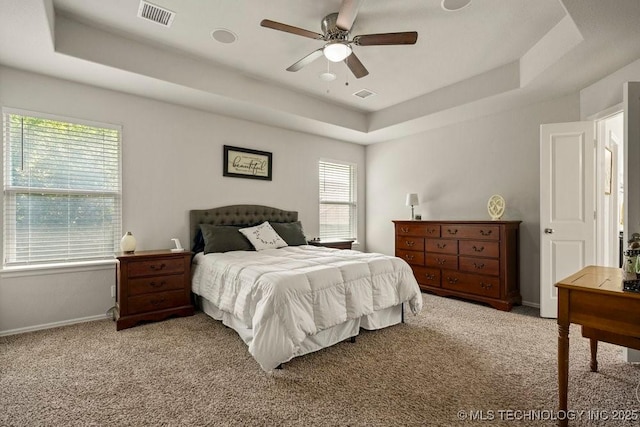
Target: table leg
[[593, 344], [563, 370]]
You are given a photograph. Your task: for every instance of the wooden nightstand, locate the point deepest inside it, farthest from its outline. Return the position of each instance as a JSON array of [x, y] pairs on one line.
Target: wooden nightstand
[[152, 285], [334, 243]]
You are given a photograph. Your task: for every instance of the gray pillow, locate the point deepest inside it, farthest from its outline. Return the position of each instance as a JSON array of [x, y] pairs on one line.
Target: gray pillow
[[291, 232], [223, 238]]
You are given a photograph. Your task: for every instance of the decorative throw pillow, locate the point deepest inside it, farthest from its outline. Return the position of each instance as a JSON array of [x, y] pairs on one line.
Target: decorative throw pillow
[[223, 238], [291, 232], [263, 236]]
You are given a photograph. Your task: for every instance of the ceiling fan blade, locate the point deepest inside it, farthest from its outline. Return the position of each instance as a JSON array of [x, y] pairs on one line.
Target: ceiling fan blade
[[306, 60], [355, 66], [409, 37], [347, 14], [290, 29]]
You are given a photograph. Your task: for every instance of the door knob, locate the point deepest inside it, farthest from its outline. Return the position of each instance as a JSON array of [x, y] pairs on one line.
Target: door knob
[[548, 231]]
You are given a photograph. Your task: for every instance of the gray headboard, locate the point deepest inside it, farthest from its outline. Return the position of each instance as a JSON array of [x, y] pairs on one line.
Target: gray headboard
[[237, 215]]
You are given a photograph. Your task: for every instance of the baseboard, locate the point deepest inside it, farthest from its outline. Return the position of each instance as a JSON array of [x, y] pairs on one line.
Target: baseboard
[[54, 325], [531, 304]]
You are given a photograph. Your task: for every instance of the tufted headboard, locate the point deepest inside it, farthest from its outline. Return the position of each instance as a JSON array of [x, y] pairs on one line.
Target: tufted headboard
[[248, 215]]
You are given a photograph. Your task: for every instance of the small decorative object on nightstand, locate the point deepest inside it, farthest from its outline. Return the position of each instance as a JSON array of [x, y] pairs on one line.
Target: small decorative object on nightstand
[[333, 243], [412, 200], [128, 243], [496, 206], [152, 285]]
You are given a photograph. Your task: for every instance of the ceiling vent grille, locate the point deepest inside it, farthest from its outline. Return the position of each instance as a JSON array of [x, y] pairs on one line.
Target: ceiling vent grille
[[156, 14], [364, 93]]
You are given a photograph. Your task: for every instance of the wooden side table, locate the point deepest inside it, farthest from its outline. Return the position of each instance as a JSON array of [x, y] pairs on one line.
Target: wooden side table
[[333, 243], [152, 285]]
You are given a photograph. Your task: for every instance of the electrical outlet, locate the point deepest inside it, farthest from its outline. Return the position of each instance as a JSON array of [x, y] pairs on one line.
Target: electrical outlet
[[113, 291]]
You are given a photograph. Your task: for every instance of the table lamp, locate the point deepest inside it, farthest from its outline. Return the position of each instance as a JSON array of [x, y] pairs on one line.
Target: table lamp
[[412, 200]]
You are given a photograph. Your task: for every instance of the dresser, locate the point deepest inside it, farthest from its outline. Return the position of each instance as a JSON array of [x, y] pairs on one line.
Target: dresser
[[152, 285], [476, 260]]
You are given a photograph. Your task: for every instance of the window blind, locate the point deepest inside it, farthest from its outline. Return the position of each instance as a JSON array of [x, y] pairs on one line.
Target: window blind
[[62, 189], [338, 206]]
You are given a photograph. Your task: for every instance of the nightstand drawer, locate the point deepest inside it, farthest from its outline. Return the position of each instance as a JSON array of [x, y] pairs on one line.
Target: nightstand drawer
[[156, 301], [152, 284], [156, 267]]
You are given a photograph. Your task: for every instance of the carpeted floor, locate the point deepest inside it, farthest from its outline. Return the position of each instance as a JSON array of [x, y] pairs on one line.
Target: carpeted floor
[[455, 356]]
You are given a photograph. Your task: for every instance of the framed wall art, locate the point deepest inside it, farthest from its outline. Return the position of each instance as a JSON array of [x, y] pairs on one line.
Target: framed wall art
[[608, 170], [247, 163]]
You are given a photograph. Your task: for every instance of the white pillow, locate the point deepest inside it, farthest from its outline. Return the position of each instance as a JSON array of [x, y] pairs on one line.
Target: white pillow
[[263, 236]]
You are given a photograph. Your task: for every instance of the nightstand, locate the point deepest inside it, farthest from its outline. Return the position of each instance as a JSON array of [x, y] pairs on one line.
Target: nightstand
[[333, 243], [152, 285]]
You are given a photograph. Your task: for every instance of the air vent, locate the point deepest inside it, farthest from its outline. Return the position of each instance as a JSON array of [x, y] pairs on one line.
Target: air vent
[[156, 14], [364, 93]]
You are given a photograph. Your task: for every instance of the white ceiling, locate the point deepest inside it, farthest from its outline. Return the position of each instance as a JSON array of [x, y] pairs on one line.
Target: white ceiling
[[490, 56]]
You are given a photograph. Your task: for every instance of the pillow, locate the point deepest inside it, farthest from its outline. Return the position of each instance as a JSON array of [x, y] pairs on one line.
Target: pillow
[[223, 238], [263, 236], [291, 232]]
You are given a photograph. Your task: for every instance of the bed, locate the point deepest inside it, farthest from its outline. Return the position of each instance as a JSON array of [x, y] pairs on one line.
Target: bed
[[288, 301]]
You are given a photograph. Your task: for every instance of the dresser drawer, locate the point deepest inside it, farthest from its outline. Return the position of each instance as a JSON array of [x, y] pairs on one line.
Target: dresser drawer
[[156, 301], [411, 229], [427, 276], [473, 284], [156, 266], [441, 261], [152, 284], [442, 246], [412, 257], [479, 265], [479, 248], [410, 243], [464, 231]]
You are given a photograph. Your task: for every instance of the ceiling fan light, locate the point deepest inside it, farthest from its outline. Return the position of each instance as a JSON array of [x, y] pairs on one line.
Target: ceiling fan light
[[336, 51]]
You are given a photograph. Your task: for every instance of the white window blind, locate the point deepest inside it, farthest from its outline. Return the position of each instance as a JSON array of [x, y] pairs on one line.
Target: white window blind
[[62, 189], [338, 205]]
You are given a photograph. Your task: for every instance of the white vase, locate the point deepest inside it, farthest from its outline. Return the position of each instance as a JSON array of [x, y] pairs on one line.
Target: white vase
[[128, 243]]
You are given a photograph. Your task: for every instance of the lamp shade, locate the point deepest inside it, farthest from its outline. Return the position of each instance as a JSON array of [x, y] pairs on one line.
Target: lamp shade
[[336, 51], [412, 199]]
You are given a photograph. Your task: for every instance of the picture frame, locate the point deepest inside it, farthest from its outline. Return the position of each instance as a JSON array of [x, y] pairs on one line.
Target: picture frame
[[608, 170], [247, 163]]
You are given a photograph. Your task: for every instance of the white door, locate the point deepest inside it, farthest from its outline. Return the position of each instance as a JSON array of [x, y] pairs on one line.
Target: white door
[[567, 205]]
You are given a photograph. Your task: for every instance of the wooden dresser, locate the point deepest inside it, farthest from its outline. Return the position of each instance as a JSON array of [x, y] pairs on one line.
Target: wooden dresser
[[477, 260], [152, 285]]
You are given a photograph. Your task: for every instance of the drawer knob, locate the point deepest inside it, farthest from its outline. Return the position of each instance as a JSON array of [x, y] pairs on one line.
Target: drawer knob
[[157, 267], [157, 301], [478, 249], [452, 231], [409, 243], [157, 284], [404, 229], [452, 280], [431, 231], [441, 245], [441, 261], [478, 266], [486, 285], [486, 232], [409, 257], [430, 276]]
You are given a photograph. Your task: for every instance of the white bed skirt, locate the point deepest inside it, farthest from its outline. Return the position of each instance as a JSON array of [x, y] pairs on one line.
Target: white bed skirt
[[326, 338]]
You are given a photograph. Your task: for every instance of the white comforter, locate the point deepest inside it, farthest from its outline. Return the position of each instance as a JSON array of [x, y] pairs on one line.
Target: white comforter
[[287, 294]]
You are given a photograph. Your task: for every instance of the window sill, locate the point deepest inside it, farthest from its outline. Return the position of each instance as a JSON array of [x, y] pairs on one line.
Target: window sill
[[58, 268]]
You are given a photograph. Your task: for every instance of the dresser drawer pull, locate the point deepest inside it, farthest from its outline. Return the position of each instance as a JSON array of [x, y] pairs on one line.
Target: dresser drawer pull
[[441, 261], [430, 276], [452, 232], [478, 266], [158, 301], [441, 245], [157, 284], [409, 257], [477, 249], [486, 285], [404, 229], [157, 267], [452, 280], [486, 232], [431, 231], [409, 243]]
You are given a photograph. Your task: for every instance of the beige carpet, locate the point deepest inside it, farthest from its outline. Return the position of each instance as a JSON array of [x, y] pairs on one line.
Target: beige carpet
[[455, 356]]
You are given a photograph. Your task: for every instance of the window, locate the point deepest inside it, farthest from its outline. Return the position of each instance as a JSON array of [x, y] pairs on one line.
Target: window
[[62, 190], [338, 206]]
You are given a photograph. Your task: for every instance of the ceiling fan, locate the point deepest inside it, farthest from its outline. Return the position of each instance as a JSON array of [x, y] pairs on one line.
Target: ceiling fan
[[338, 47]]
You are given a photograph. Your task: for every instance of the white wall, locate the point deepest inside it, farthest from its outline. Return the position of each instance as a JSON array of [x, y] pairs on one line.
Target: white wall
[[172, 162], [607, 92], [457, 168]]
